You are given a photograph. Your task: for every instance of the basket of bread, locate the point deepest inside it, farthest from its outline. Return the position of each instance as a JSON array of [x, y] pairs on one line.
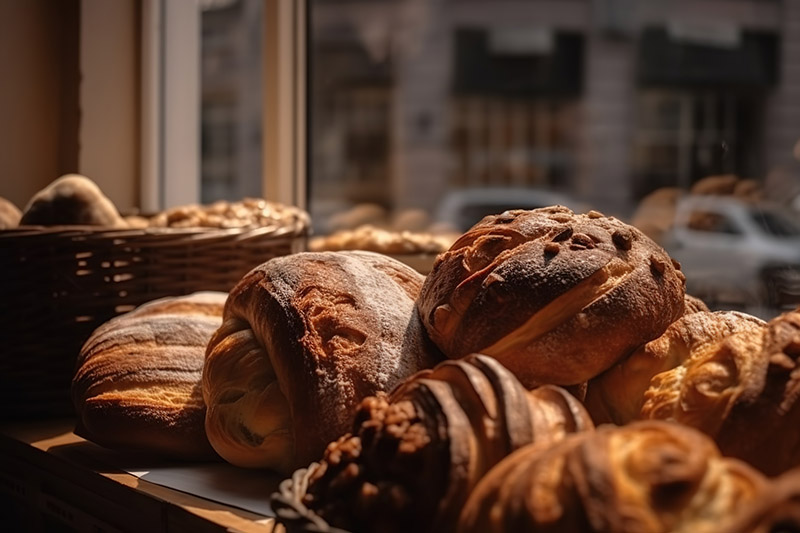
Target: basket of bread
[[549, 374], [70, 262]]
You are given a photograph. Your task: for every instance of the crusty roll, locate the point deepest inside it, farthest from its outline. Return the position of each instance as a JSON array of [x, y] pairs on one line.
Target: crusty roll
[[72, 199], [693, 304], [304, 339], [555, 296], [413, 457], [9, 214], [646, 477], [137, 380], [742, 391], [617, 395], [776, 510]]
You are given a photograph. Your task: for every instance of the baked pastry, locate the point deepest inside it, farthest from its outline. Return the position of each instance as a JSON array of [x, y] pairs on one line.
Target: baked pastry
[[776, 510], [646, 477], [413, 457], [557, 297], [617, 395], [249, 213], [9, 214], [137, 381], [72, 199], [305, 338], [742, 391], [693, 304]]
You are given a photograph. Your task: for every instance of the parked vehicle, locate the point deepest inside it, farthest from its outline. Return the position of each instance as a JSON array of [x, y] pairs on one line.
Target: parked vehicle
[[737, 254]]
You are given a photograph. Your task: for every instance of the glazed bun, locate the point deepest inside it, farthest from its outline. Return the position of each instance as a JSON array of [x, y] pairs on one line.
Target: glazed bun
[[305, 338], [137, 381], [649, 476], [72, 199], [742, 392], [618, 394], [413, 457], [555, 296]]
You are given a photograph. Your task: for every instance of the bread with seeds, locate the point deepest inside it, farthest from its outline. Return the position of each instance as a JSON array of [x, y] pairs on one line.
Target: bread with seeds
[[555, 296]]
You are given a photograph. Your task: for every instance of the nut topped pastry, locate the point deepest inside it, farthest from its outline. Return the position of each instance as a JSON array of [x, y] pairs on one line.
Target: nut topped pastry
[[304, 338], [646, 477], [413, 457], [555, 296]]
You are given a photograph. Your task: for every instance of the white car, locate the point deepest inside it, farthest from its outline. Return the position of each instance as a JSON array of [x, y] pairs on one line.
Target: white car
[[737, 254], [462, 208]]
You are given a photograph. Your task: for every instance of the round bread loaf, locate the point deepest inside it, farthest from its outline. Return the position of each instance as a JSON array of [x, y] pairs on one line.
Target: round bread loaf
[[138, 377], [650, 476], [742, 391], [414, 456], [72, 199], [304, 339], [9, 214], [555, 296], [617, 395]]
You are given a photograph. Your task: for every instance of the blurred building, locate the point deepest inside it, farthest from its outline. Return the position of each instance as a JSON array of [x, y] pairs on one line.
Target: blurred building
[[604, 99]]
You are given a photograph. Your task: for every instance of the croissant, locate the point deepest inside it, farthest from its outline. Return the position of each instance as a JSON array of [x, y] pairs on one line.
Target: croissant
[[556, 297], [742, 392], [617, 395], [646, 477], [414, 456], [304, 338]]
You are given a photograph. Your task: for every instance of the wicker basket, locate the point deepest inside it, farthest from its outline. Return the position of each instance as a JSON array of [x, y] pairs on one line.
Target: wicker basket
[[289, 509], [60, 283]]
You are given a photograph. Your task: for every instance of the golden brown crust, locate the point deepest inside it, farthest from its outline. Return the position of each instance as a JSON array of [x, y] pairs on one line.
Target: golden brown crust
[[555, 296], [137, 380], [305, 338], [414, 457], [743, 392], [645, 477], [776, 510], [617, 395], [10, 214], [72, 199]]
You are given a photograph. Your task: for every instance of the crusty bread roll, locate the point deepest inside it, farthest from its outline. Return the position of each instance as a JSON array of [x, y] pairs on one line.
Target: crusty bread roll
[[137, 380], [776, 510], [555, 296], [72, 199], [617, 395], [9, 214], [742, 391], [304, 339], [413, 457], [693, 304], [646, 477]]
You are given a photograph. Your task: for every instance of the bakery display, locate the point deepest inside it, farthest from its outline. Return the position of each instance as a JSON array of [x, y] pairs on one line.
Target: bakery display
[[305, 338], [555, 296], [618, 394], [72, 199], [742, 391], [249, 213], [9, 214], [648, 476], [413, 457], [137, 380]]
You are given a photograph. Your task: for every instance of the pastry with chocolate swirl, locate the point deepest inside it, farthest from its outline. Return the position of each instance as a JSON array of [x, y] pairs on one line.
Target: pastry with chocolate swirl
[[557, 297], [646, 477], [414, 456]]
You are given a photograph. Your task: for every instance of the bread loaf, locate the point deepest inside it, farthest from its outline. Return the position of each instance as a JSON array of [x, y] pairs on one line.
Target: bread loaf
[[617, 395], [72, 199], [413, 457], [555, 296], [304, 339], [10, 214], [776, 510], [646, 477], [137, 381]]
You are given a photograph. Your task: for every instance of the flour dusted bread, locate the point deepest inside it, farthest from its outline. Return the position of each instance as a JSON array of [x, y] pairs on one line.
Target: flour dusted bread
[[304, 339], [646, 477], [556, 296], [618, 394], [137, 380], [742, 391], [413, 457], [72, 199]]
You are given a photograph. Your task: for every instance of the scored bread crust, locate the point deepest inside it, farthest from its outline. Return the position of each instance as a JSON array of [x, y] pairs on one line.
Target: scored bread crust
[[137, 380], [305, 337], [555, 296]]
